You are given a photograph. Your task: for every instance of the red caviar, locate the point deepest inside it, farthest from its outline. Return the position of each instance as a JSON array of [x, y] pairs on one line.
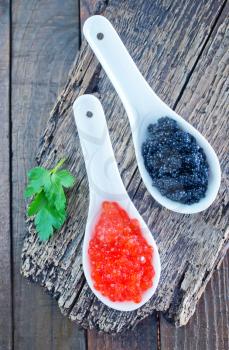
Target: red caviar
[[120, 257]]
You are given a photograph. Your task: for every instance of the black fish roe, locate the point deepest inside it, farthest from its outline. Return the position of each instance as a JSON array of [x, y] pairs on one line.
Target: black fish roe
[[176, 163]]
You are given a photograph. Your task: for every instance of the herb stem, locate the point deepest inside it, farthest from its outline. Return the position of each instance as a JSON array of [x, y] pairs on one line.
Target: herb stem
[[59, 164]]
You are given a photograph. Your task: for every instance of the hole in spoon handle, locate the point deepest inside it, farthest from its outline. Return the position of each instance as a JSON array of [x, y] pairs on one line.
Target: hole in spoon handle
[[89, 114], [100, 36]]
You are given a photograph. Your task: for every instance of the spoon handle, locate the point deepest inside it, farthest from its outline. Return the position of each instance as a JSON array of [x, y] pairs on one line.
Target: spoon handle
[[103, 175], [119, 66]]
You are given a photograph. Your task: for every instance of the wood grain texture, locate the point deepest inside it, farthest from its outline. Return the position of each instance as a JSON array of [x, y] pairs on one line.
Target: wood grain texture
[[203, 237], [45, 42], [209, 328], [5, 232], [166, 39], [143, 337], [87, 8]]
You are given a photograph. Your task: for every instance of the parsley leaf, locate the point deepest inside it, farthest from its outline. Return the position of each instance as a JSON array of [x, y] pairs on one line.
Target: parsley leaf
[[46, 220], [55, 193], [38, 177], [37, 203], [49, 201], [65, 178]]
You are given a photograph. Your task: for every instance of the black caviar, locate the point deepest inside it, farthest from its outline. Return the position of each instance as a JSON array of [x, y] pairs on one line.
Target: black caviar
[[176, 163]]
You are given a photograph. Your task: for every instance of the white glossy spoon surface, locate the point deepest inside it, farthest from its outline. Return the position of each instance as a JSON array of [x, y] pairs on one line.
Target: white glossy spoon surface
[[105, 184], [144, 107]]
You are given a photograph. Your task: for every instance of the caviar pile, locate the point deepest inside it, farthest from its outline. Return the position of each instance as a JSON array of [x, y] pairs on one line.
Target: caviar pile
[[120, 257], [176, 163]]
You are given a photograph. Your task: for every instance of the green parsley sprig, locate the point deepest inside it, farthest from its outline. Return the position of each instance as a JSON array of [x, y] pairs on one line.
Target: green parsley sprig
[[49, 201]]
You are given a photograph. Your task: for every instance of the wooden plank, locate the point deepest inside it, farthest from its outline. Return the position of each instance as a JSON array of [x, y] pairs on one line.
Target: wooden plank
[[143, 337], [208, 329], [178, 41], [87, 9], [45, 42], [5, 231]]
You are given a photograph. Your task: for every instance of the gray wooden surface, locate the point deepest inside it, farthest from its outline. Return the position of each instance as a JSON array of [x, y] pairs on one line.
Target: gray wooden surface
[[5, 217], [185, 72], [45, 41], [44, 44]]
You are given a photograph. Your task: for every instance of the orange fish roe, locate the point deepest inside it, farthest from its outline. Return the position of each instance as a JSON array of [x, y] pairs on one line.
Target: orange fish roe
[[120, 257]]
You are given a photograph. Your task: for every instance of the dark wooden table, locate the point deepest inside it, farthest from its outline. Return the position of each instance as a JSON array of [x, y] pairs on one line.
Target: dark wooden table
[[39, 40]]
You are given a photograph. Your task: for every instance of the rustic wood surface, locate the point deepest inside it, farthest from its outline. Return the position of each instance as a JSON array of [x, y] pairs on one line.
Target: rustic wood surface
[[144, 336], [189, 72], [87, 8], [208, 328], [44, 43], [5, 242]]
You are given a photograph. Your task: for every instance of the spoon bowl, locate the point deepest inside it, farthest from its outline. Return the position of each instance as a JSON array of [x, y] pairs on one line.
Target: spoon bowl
[[105, 184], [144, 107]]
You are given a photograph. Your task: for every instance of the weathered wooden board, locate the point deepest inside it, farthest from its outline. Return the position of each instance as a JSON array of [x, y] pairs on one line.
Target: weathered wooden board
[[166, 39], [209, 325], [143, 337], [203, 333], [44, 44], [5, 231], [203, 237], [87, 7]]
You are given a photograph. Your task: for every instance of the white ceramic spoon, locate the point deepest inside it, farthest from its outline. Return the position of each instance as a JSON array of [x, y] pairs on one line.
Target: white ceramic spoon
[[144, 107], [105, 184]]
